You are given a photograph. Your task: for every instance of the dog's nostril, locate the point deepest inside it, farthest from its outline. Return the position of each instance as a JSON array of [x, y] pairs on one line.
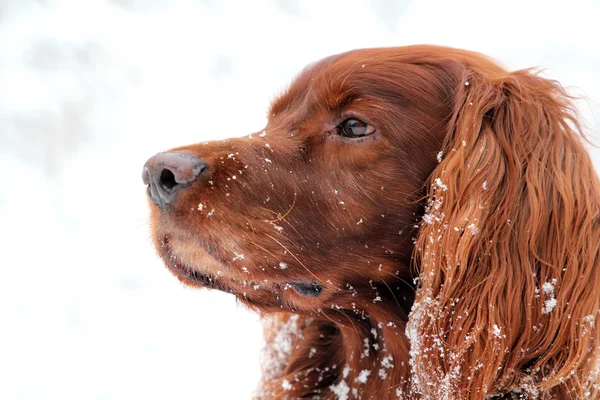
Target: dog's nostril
[[167, 173], [167, 179]]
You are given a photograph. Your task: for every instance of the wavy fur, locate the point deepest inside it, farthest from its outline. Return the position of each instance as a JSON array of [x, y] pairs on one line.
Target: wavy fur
[[509, 277], [487, 287]]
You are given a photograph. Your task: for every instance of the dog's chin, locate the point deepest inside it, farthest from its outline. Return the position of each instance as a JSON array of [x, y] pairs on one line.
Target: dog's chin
[[258, 294], [186, 273]]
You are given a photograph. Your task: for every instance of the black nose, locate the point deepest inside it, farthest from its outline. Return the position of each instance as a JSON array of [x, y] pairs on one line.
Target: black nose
[[167, 173]]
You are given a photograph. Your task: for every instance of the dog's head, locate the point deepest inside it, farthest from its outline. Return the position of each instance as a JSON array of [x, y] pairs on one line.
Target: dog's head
[[322, 205], [380, 165]]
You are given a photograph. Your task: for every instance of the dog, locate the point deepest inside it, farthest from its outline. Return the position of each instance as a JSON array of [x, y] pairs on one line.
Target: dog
[[413, 222]]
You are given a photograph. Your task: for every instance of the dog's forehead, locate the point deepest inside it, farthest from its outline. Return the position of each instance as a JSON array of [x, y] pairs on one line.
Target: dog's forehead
[[376, 80], [328, 81], [355, 72]]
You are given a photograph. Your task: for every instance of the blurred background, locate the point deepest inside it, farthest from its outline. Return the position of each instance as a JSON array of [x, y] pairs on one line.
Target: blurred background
[[89, 89]]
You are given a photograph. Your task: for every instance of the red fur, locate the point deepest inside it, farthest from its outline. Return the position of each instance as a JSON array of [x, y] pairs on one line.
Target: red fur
[[474, 204]]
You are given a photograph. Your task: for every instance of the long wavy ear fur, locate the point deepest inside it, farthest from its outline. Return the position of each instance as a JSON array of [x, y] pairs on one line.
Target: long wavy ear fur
[[508, 249]]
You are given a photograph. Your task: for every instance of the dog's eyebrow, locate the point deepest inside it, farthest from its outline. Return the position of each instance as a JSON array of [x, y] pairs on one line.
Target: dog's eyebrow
[[307, 88]]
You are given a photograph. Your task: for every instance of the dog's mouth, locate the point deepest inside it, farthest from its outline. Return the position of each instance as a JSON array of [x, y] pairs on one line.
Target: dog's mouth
[[307, 288], [195, 278], [186, 273]]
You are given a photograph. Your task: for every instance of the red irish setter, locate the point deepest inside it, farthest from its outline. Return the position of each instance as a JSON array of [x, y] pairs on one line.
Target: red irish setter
[[413, 223]]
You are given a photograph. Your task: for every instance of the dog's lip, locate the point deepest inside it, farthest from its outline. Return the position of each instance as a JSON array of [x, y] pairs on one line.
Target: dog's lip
[[185, 272], [193, 277], [307, 288], [182, 270]]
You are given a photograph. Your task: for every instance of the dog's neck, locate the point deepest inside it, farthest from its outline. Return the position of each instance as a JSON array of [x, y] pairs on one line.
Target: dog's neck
[[337, 354], [377, 360]]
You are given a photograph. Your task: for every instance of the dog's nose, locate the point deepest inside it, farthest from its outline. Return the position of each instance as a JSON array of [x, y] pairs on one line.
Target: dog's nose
[[167, 173]]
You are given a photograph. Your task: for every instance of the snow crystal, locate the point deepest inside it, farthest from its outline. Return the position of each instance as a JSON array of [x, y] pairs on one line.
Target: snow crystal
[[341, 390], [467, 83], [282, 265], [496, 331], [548, 287], [360, 222], [428, 219], [268, 160], [550, 303], [420, 312], [387, 362], [276, 354], [286, 385], [364, 374], [474, 229], [484, 185], [440, 184], [365, 353], [263, 134], [346, 371], [439, 156]]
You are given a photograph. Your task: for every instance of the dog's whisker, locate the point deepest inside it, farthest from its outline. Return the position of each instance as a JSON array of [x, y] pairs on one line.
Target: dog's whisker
[[294, 256], [280, 217]]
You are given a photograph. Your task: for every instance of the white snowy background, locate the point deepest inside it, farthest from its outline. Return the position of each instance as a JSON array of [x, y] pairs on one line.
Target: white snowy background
[[89, 89]]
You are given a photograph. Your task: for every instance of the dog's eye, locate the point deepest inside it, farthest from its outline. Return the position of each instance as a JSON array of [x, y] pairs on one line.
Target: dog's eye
[[355, 128]]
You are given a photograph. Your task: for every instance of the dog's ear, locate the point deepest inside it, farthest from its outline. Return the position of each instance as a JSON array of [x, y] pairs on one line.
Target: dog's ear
[[508, 249]]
